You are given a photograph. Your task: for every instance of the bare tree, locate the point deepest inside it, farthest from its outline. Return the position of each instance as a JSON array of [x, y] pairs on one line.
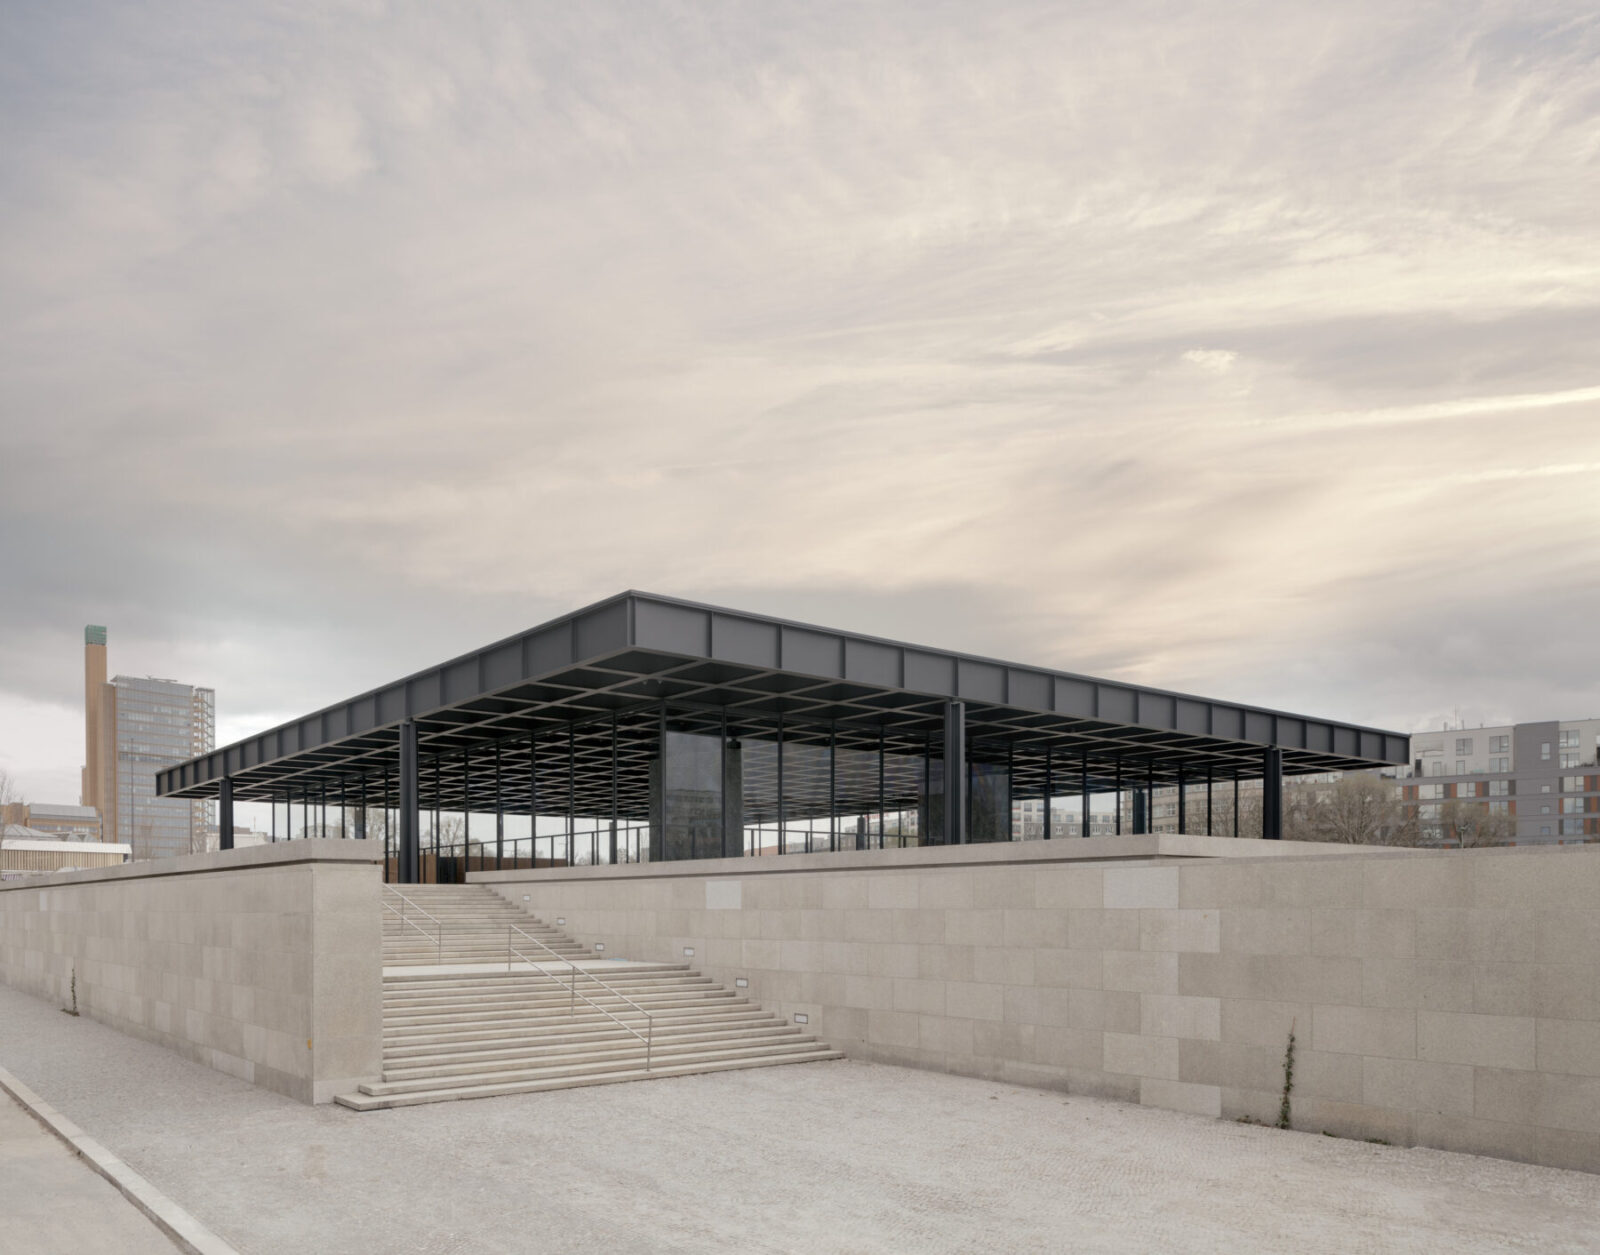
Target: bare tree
[[1466, 824], [1358, 809], [10, 796], [1222, 812]]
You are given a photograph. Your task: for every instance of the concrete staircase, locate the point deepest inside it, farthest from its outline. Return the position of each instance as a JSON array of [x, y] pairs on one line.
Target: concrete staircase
[[470, 1029]]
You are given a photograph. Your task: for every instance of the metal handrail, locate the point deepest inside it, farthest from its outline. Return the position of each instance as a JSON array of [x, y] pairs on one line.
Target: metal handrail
[[401, 912], [647, 1037]]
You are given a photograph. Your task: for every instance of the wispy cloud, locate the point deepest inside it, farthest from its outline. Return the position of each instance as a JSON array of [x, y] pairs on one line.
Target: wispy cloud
[[1246, 349]]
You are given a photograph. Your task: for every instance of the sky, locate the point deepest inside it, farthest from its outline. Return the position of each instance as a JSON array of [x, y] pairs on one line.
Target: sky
[[1251, 350]]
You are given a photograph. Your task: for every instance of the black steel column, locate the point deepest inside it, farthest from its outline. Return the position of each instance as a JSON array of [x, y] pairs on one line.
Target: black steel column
[[613, 859], [722, 778], [1272, 793], [1118, 779], [1150, 797], [1183, 801], [533, 802], [499, 812], [1208, 800], [1087, 797], [783, 843], [1049, 785], [833, 786], [1236, 804], [955, 773], [882, 818], [572, 793], [410, 853], [224, 814]]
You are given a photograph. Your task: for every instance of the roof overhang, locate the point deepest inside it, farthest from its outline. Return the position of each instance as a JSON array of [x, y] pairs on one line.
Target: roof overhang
[[616, 663]]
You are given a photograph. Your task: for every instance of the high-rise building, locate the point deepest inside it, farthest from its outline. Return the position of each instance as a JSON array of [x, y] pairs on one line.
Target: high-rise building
[[133, 728], [1541, 780]]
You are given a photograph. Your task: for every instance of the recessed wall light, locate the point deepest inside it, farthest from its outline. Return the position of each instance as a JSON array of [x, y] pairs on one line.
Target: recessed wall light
[[800, 1017], [599, 945], [742, 983], [688, 952]]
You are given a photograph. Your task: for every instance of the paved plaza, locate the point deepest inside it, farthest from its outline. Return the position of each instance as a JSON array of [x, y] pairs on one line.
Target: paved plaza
[[829, 1157], [52, 1203]]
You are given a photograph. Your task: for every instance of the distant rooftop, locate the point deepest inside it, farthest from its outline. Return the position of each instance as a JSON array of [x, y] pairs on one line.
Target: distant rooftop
[[55, 811]]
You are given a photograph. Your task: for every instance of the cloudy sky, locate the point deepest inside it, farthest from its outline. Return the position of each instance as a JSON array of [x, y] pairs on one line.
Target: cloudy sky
[[1246, 349]]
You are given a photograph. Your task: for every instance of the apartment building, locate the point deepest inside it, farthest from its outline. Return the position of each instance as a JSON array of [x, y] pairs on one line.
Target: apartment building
[[1540, 778]]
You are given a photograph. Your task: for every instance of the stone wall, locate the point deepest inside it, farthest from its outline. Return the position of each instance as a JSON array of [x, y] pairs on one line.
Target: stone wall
[[265, 963], [1447, 999]]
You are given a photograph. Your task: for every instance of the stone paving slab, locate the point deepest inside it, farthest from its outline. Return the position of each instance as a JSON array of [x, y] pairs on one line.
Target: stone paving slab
[[829, 1157], [52, 1203]]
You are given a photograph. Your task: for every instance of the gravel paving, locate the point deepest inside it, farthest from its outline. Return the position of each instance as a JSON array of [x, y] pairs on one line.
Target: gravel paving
[[823, 1157]]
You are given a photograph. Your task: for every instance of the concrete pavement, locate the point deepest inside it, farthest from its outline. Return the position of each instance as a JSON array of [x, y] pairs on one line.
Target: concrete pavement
[[52, 1203], [829, 1157]]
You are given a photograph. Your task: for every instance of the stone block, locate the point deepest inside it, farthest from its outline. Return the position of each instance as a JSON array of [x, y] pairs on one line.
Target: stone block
[[1570, 1046], [1425, 880], [975, 928], [1364, 934], [1492, 1041], [1562, 1148], [1134, 1054], [1199, 1100], [1275, 931], [968, 1000], [1033, 929], [1248, 1022], [1077, 969], [1140, 971], [887, 890], [1384, 1031], [1058, 888], [1566, 991], [893, 1028], [1140, 887], [926, 997], [1173, 1015], [1474, 1136], [1180, 931], [1001, 965], [1505, 989], [945, 1034], [1418, 1085]]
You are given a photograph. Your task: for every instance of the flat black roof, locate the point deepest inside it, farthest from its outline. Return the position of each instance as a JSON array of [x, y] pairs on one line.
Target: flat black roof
[[563, 686]]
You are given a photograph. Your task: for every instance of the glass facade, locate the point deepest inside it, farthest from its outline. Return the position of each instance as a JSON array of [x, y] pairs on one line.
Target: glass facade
[[159, 723], [671, 783]]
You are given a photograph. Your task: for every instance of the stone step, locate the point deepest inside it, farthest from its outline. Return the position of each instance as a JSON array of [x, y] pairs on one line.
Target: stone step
[[364, 1102], [536, 986], [605, 1062], [441, 1045], [667, 1045], [549, 1027], [605, 968], [551, 1014]]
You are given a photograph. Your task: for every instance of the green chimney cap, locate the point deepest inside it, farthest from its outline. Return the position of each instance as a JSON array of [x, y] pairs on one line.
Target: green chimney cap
[[94, 635]]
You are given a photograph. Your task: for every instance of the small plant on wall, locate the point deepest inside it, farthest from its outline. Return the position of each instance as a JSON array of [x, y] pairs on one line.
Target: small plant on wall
[[73, 1008], [1288, 1080]]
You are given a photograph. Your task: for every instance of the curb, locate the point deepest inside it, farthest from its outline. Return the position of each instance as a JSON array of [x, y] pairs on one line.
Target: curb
[[191, 1236]]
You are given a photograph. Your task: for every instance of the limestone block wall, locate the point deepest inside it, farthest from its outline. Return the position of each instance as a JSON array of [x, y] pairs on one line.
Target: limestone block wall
[[1448, 999], [265, 963]]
